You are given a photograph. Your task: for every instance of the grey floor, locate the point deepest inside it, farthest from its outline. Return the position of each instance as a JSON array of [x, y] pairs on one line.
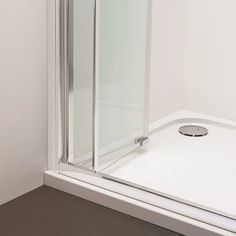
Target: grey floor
[[50, 212]]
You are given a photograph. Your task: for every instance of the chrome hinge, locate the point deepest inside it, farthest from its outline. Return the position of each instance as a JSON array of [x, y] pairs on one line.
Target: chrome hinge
[[141, 140]]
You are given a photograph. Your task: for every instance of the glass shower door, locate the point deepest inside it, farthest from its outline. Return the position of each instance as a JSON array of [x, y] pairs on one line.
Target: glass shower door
[[104, 80], [123, 77]]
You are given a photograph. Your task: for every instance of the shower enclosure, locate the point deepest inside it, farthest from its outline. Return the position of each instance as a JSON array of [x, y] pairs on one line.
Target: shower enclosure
[[142, 101]]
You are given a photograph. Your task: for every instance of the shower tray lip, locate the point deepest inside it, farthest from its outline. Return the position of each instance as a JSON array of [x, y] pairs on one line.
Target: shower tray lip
[[93, 190]]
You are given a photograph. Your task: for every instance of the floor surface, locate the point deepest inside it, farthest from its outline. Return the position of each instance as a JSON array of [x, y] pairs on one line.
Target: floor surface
[[50, 212]]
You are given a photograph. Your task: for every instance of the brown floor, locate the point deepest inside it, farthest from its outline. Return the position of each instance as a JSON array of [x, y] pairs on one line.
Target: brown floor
[[50, 212]]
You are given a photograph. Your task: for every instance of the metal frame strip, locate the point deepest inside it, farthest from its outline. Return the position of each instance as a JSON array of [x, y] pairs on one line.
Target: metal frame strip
[[96, 62], [149, 41], [64, 84]]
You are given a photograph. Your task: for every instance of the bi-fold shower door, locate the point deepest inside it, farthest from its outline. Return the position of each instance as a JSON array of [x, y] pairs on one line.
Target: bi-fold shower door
[[106, 75]]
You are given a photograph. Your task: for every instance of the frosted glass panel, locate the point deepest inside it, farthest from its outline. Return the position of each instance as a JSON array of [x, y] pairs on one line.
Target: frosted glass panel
[[123, 73]]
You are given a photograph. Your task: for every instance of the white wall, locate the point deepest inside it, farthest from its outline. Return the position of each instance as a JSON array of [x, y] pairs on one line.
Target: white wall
[[22, 96], [193, 57], [210, 57], [167, 57]]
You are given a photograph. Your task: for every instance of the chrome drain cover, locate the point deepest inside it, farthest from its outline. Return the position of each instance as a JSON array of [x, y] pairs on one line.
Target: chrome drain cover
[[193, 131]]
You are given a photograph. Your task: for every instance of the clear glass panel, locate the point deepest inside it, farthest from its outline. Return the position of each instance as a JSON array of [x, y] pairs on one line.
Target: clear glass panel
[[122, 81], [81, 99], [123, 76]]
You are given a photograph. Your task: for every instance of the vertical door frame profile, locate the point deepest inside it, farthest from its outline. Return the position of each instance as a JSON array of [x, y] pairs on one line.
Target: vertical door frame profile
[[64, 80], [96, 72], [70, 64], [148, 68]]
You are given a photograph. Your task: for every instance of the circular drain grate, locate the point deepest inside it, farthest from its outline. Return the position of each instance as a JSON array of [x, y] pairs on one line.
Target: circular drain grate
[[193, 131]]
